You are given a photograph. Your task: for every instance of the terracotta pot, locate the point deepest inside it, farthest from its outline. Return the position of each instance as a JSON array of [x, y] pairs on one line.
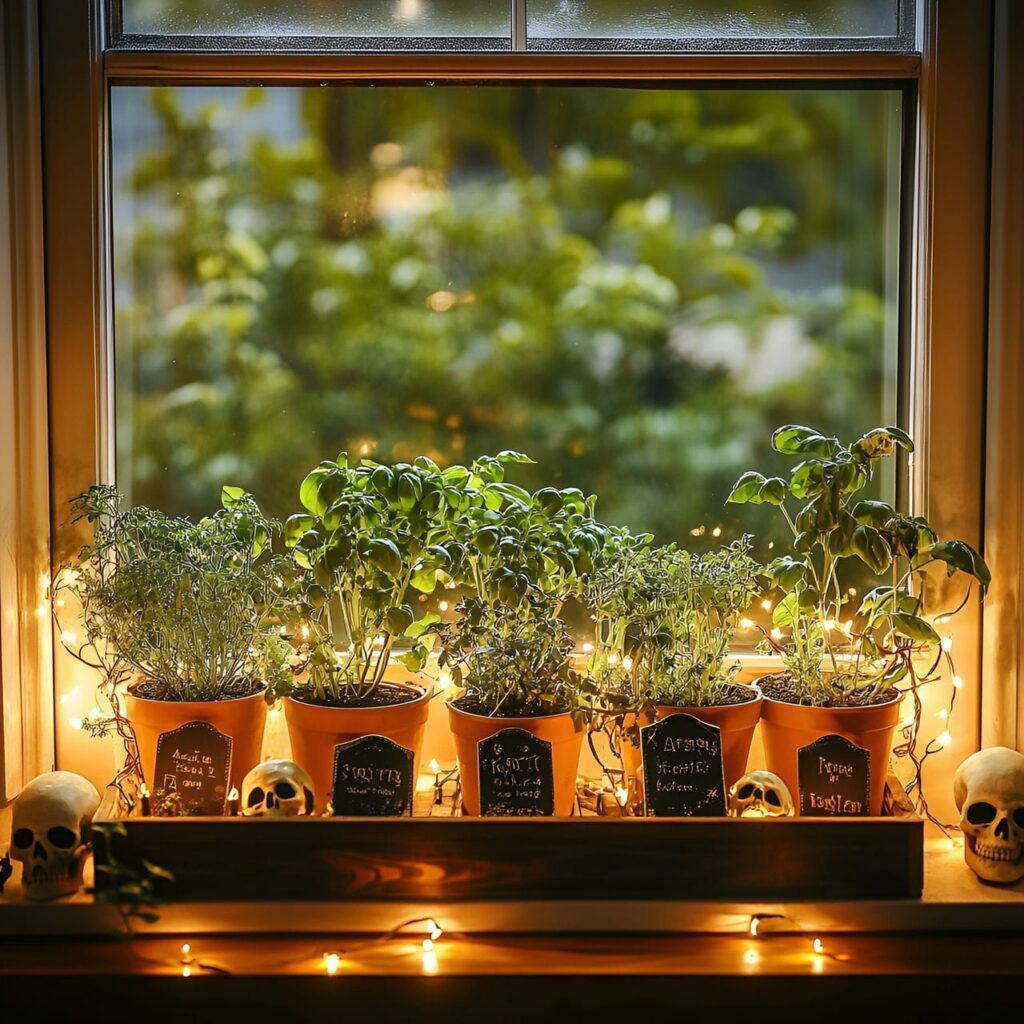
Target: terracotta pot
[[558, 730], [785, 728], [315, 731], [241, 718], [737, 723]]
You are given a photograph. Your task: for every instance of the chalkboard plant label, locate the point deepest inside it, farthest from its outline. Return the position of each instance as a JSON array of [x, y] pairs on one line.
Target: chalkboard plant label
[[683, 772], [193, 765], [835, 778], [516, 775], [373, 778]]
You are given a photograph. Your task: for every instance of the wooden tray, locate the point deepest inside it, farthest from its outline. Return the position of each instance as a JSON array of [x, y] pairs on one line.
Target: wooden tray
[[586, 858]]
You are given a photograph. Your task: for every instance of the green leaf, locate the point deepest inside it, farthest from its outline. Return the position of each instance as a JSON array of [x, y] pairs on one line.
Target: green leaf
[[295, 527], [230, 496], [786, 571], [425, 579], [796, 440], [874, 513], [872, 548], [415, 659], [747, 489], [785, 612], [398, 620], [773, 491], [511, 456], [914, 627], [385, 555], [961, 557], [807, 480], [420, 626]]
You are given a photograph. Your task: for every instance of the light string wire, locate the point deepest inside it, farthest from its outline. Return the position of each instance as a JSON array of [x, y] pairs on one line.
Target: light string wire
[[817, 946]]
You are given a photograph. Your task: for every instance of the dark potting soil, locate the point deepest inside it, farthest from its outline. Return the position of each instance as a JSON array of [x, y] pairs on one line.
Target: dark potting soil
[[475, 707], [734, 693], [385, 696], [780, 687], [155, 689]]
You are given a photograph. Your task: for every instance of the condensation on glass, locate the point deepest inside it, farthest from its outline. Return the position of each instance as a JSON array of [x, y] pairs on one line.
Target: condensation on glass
[[570, 25], [284, 18], [633, 285], [712, 19]]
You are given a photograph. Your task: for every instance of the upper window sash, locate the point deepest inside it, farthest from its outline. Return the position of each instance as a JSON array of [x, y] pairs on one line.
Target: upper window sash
[[520, 33]]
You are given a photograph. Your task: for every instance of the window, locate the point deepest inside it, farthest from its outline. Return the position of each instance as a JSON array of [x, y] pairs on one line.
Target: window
[[860, 240]]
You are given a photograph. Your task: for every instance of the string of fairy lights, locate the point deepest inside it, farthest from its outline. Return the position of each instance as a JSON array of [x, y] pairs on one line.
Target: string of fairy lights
[[426, 934]]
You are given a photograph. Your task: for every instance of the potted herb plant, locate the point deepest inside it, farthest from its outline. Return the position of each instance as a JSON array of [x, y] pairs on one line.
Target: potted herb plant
[[847, 669], [508, 650], [372, 536], [664, 620], [189, 613]]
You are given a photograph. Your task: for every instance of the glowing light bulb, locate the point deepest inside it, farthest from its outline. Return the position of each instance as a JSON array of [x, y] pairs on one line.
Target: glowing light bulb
[[771, 544], [186, 971], [428, 946], [716, 532], [751, 956], [819, 946], [852, 591], [443, 605], [627, 663], [69, 637], [942, 713], [331, 963], [945, 738], [186, 948], [75, 723], [304, 631], [434, 766], [755, 923], [957, 682], [947, 644], [830, 624], [588, 647], [766, 605], [613, 659], [746, 623], [621, 796], [907, 722], [776, 633], [434, 929]]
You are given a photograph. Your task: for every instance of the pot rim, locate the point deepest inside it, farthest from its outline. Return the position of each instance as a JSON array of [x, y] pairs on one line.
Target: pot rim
[[426, 693], [450, 704], [841, 709], [261, 692], [755, 696]]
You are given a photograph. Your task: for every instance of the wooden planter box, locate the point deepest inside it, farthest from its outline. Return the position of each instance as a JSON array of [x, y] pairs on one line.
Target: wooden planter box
[[466, 859]]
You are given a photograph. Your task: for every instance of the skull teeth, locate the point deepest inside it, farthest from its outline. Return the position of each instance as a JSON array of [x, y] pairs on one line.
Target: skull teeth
[[989, 851]]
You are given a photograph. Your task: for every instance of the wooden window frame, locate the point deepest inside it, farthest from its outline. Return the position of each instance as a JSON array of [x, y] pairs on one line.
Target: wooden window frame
[[944, 235]]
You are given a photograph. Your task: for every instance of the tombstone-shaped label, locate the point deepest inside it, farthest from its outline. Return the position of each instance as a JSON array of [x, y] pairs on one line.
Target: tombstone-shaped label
[[516, 775], [373, 778], [193, 766], [683, 774], [835, 778]]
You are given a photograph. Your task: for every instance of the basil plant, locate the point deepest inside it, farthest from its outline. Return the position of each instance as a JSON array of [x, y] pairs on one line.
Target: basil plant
[[837, 650]]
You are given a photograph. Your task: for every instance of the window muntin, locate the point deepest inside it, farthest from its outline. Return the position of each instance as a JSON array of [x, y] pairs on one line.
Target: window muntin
[[634, 285]]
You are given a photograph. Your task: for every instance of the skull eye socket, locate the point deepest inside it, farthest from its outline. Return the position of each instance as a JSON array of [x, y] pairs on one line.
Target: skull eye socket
[[981, 813], [255, 797], [744, 792], [1018, 817], [61, 837], [771, 797], [284, 790], [22, 839]]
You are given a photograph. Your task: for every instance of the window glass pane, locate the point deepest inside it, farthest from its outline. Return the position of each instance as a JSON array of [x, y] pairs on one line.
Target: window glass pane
[[317, 17], [712, 19], [633, 285]]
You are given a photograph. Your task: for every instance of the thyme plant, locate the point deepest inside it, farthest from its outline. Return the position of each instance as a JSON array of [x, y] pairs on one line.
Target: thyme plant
[[192, 610], [664, 619], [833, 653]]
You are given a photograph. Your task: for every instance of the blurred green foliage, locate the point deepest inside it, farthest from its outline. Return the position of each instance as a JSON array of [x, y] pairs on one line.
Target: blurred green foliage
[[633, 285]]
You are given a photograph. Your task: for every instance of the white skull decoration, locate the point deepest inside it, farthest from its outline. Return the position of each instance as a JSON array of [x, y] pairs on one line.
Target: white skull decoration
[[759, 794], [277, 789], [48, 833], [989, 792]]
